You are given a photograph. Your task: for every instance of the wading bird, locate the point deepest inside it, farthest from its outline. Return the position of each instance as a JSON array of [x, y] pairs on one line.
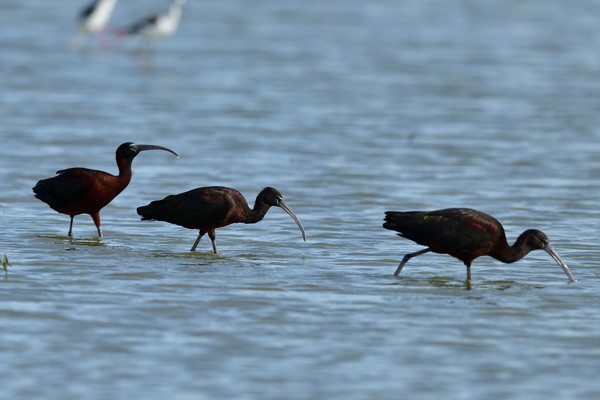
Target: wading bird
[[93, 20], [466, 234], [209, 208], [160, 25], [77, 191]]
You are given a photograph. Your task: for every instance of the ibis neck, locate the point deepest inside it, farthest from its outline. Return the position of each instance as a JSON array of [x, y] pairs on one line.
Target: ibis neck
[[258, 212], [124, 170], [510, 254]]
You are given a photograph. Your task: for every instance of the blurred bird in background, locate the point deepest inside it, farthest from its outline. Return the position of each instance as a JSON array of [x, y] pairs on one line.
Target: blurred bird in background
[[157, 26], [94, 20]]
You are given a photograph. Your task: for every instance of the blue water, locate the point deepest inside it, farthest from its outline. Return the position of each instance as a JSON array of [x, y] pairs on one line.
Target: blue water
[[349, 109]]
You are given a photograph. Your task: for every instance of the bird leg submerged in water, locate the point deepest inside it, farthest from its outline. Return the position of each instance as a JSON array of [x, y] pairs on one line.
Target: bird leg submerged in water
[[212, 237], [466, 234]]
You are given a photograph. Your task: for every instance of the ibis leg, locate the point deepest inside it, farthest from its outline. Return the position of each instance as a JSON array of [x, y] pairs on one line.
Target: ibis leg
[[96, 218], [469, 272], [212, 237], [197, 240], [71, 226], [408, 257]]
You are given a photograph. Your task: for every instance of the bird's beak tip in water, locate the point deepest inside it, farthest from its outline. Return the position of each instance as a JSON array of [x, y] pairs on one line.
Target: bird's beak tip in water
[[550, 250], [142, 147], [288, 210]]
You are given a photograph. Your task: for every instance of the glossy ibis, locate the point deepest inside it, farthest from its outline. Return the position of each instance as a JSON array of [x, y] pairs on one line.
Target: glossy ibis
[[209, 208], [93, 20], [466, 234], [77, 191]]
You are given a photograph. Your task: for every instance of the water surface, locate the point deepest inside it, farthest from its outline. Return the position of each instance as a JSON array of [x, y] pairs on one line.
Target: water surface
[[349, 109]]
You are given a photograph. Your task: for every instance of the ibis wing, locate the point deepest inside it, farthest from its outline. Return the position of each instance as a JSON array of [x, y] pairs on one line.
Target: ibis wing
[[66, 188], [203, 210], [195, 209], [465, 231]]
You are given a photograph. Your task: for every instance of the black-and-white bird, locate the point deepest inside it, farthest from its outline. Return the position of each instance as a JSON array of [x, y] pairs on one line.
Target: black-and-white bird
[[160, 25], [93, 21]]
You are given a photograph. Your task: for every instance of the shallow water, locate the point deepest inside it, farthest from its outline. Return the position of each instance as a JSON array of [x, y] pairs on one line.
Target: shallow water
[[349, 109]]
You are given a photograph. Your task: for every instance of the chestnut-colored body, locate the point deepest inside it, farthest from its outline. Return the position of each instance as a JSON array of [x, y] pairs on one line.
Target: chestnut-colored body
[[209, 208], [77, 191], [466, 234]]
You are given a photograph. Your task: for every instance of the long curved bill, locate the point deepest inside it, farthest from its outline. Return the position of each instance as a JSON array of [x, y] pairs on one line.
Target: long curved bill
[[550, 250], [294, 217], [142, 147]]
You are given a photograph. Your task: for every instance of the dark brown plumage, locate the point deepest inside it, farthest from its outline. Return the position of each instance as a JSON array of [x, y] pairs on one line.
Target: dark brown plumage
[[466, 234], [209, 208], [77, 191]]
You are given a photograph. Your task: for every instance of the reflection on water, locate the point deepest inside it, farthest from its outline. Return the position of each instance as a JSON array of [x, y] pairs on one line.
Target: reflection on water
[[351, 109], [444, 281], [5, 265]]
